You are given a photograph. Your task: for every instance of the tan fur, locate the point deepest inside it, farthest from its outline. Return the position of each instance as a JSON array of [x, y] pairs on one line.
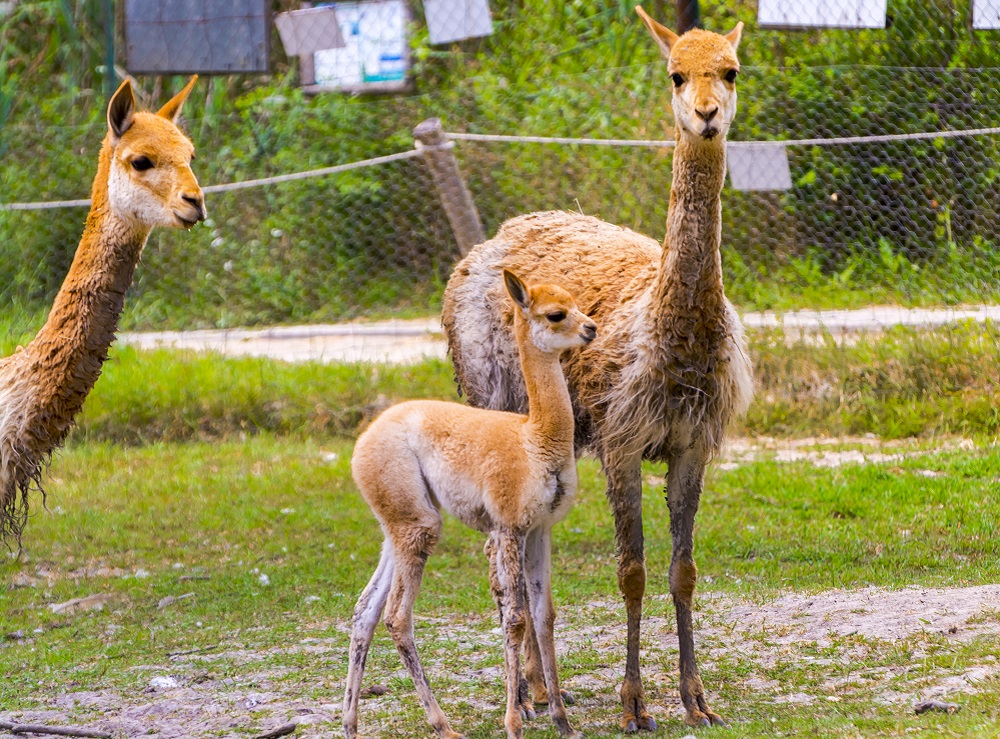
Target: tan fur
[[43, 386], [670, 370], [509, 475]]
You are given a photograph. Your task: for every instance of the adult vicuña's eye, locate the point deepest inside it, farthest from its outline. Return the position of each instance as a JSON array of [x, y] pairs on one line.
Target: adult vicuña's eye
[[556, 317], [678, 80], [731, 75], [141, 164]]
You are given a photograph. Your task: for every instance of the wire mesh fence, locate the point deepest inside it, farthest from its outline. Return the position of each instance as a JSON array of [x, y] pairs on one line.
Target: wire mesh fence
[[876, 219]]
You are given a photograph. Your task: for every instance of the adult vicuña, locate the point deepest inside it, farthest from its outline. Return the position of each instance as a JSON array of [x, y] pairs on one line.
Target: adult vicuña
[[509, 475], [670, 369], [144, 179]]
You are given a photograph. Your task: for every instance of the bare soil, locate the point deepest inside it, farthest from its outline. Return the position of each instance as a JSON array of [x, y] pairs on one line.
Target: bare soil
[[831, 636]]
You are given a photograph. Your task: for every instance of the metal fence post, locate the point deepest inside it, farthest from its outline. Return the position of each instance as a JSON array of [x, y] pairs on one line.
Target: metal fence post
[[455, 196]]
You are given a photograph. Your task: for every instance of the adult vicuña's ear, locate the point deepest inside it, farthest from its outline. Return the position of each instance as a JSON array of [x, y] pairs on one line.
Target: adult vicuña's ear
[[172, 109], [121, 109], [517, 290], [734, 36], [664, 37]]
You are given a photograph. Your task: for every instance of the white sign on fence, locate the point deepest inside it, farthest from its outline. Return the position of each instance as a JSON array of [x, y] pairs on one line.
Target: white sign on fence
[[454, 20], [309, 30], [374, 55], [986, 14], [821, 13], [758, 166]]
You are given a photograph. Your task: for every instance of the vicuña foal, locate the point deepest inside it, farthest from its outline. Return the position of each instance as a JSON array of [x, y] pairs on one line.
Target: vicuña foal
[[509, 475], [670, 369], [144, 179]]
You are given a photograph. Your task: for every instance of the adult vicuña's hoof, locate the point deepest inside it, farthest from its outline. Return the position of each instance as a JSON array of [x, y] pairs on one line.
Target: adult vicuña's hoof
[[699, 718], [647, 723], [636, 718]]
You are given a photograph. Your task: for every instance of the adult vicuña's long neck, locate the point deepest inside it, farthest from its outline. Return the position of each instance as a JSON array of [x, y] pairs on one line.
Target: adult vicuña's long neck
[[550, 412], [65, 358], [689, 296]]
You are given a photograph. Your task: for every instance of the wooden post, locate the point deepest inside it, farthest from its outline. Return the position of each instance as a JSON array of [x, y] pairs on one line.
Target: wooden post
[[455, 196], [688, 15]]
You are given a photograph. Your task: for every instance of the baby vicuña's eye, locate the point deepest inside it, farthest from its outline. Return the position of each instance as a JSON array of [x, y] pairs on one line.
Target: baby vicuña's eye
[[731, 75], [141, 164], [556, 316], [678, 80]]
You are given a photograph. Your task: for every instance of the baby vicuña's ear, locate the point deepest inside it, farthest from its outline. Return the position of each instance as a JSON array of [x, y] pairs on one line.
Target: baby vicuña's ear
[[517, 290]]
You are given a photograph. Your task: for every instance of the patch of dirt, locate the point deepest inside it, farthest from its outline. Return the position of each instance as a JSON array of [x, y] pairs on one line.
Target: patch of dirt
[[828, 638], [823, 635], [211, 708], [816, 450], [872, 613]]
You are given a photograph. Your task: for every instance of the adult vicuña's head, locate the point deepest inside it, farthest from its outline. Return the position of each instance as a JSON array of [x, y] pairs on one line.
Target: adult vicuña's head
[[554, 322], [703, 67], [150, 181]]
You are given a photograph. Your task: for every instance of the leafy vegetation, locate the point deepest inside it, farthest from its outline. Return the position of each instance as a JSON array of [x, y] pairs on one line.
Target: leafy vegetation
[[908, 222]]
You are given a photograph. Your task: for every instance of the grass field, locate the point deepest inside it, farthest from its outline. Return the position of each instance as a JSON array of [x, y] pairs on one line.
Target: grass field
[[899, 384], [842, 577], [132, 523]]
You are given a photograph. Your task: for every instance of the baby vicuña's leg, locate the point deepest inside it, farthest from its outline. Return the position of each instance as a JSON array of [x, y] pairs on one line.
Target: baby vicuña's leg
[[410, 556], [366, 616], [510, 577], [524, 690], [538, 575]]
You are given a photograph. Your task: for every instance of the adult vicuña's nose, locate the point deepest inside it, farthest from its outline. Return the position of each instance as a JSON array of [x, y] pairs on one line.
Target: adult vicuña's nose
[[708, 114], [198, 201]]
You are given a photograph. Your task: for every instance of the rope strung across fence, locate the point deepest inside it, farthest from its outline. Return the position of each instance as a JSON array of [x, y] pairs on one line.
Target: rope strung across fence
[[262, 182], [841, 140], [313, 172], [562, 140]]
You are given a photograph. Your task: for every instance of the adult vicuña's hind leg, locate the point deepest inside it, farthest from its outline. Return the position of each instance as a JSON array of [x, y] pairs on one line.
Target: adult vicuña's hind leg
[[538, 575], [366, 616], [411, 551], [625, 495]]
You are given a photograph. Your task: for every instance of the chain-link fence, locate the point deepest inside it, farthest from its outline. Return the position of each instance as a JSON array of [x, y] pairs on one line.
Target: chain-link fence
[[892, 193]]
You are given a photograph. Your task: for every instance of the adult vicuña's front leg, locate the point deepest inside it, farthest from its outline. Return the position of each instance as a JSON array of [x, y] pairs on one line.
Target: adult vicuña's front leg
[[538, 577], [625, 496], [685, 478]]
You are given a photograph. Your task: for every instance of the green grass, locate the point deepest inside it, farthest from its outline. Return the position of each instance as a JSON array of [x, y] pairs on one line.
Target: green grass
[[168, 395], [899, 384], [229, 512]]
